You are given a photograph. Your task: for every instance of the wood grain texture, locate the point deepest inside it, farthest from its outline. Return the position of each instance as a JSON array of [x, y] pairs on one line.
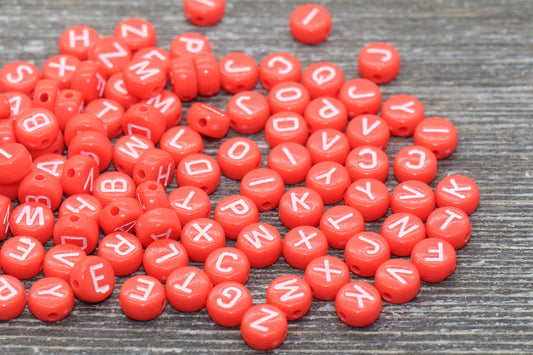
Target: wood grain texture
[[468, 61]]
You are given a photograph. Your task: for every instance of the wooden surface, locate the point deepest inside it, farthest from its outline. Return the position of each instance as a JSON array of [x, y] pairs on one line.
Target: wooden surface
[[468, 61]]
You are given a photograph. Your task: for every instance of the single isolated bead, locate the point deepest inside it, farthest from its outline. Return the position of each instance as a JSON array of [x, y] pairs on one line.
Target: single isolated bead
[[32, 219], [284, 127], [291, 161], [13, 300], [310, 24], [379, 62], [402, 231], [159, 223], [434, 258], [326, 112], [22, 257], [370, 197], [190, 202], [238, 72], [328, 144], [261, 242], [123, 251], [329, 179], [303, 244], [402, 113], [78, 229], [288, 96], [248, 112], [437, 134], [187, 289], [277, 67], [300, 206], [364, 252], [339, 224], [397, 280], [204, 13], [164, 256], [450, 224], [323, 79], [50, 299], [326, 275], [458, 191], [201, 236], [263, 186], [227, 302], [367, 161], [142, 297], [360, 97], [112, 185], [291, 294], [264, 327], [227, 264], [60, 259], [358, 304], [415, 163], [181, 141]]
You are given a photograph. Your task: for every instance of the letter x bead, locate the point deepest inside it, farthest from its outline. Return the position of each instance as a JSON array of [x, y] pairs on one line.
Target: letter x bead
[[291, 294], [235, 212], [291, 161], [458, 191], [60, 259], [288, 96], [78, 229], [261, 242], [32, 219], [264, 327], [285, 127], [190, 202], [310, 23], [415, 163], [402, 113], [187, 289], [248, 112], [22, 257], [328, 144], [379, 62], [413, 196], [329, 179], [365, 251], [92, 279], [397, 280], [368, 130], [340, 223], [370, 197], [367, 161], [326, 275], [227, 302], [158, 223], [201, 236], [263, 186], [361, 97], [300, 206], [238, 72], [434, 258], [124, 252], [437, 134], [450, 224], [358, 304], [142, 297], [164, 256], [12, 297], [227, 264], [237, 156], [180, 141], [303, 244], [204, 12], [402, 231], [50, 299]]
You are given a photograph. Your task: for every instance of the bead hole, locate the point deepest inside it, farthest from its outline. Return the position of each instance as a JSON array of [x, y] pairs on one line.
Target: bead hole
[[296, 314], [45, 142], [205, 188], [199, 19], [71, 173], [143, 108], [75, 284], [240, 88], [156, 90], [141, 175], [114, 211], [376, 78], [437, 154], [44, 97], [386, 296], [69, 95], [355, 269], [153, 187], [342, 316], [403, 130], [74, 218], [202, 122], [266, 206], [39, 177]]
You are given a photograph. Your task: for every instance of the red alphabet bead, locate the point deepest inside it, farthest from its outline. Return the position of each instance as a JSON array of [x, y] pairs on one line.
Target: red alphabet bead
[[82, 203], [261, 242], [300, 206], [32, 219], [112, 185], [60, 259], [154, 165], [414, 197], [360, 97], [264, 327], [365, 251], [437, 134], [18, 101], [303, 244], [450, 224], [164, 256], [415, 163], [370, 197], [7, 132], [127, 150], [189, 44], [151, 195], [181, 141], [145, 120], [93, 144], [237, 156], [111, 54], [434, 258], [199, 170], [137, 33], [207, 74], [116, 90], [78, 229], [153, 53], [5, 213], [204, 13], [329, 179], [83, 122], [159, 223], [263, 186], [310, 23], [458, 191], [5, 107], [187, 289], [22, 257], [142, 297], [76, 41], [50, 299], [368, 130], [227, 302], [291, 294], [402, 231], [201, 236], [227, 264], [323, 79], [145, 78], [36, 128], [45, 93], [79, 174], [12, 297], [19, 76], [291, 161], [57, 147], [208, 120], [124, 252], [169, 104], [340, 223], [183, 78], [110, 112], [326, 112], [92, 279], [284, 127], [397, 280], [402, 113], [288, 96], [68, 104], [238, 72], [15, 162], [326, 275], [379, 62], [248, 112], [41, 187], [328, 144], [234, 212], [89, 79], [277, 67], [367, 161], [358, 304], [120, 215], [190, 202]]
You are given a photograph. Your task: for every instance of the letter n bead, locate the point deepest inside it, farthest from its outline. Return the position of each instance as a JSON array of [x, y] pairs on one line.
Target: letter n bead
[[264, 327]]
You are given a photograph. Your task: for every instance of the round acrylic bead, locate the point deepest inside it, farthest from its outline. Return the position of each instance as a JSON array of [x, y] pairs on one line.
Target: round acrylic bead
[[19, 102], [32, 219], [127, 150], [60, 67], [235, 212], [89, 79], [367, 161], [112, 54], [181, 141], [227, 264], [76, 41], [310, 23], [142, 297], [60, 259], [414, 197], [339, 224], [57, 147], [360, 97], [190, 202], [145, 120], [7, 132], [112, 185], [183, 77], [36, 128], [144, 78], [291, 161], [368, 130], [68, 104], [137, 33], [110, 112], [13, 300], [288, 96], [434, 258], [120, 215], [79, 174], [300, 206], [397, 280], [199, 170], [153, 53], [5, 107], [94, 144], [237, 156], [326, 275], [42, 187], [154, 165], [358, 304], [15, 162], [19, 76], [82, 203], [261, 242], [402, 231], [123, 251], [227, 302], [159, 223], [370, 197], [379, 62], [458, 191], [80, 123], [50, 299], [207, 74], [402, 113], [437, 134], [238, 72], [291, 294], [116, 90], [450, 224], [22, 257], [187, 289], [264, 327], [415, 163], [303, 244], [326, 112], [201, 236], [364, 252], [248, 112], [189, 44], [164, 256], [263, 186], [329, 179], [169, 104], [204, 13], [151, 195], [45, 93], [322, 79], [208, 120], [328, 144], [5, 212], [10, 190], [284, 127], [277, 67], [92, 279], [78, 229]]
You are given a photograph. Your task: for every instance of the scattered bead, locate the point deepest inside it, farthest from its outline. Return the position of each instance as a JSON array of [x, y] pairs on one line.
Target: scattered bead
[[310, 24], [434, 258], [227, 302], [358, 304], [264, 327], [379, 62], [291, 294], [142, 297], [365, 251], [303, 244], [50, 299], [261, 242], [227, 264], [326, 275], [458, 191], [162, 257], [397, 280], [124, 252], [187, 289]]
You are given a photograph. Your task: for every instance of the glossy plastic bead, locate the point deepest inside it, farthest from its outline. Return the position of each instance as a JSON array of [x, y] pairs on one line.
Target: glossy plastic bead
[[303, 244], [7, 132], [370, 197], [227, 264], [207, 74], [237, 156], [208, 120], [183, 77], [328, 144], [234, 212], [415, 163], [164, 256], [116, 90], [79, 174], [190, 202], [22, 257], [360, 97], [263, 186], [152, 195], [322, 79], [379, 62], [5, 107], [326, 112], [144, 78], [284, 127], [300, 206], [57, 147], [60, 67], [19, 76], [368, 130], [60, 259], [326, 275], [137, 33], [127, 150], [238, 72], [329, 179], [83, 122], [13, 300], [82, 203], [339, 224], [402, 231], [111, 54], [187, 289], [181, 141], [397, 280], [450, 224], [199, 170], [414, 197], [402, 113], [367, 161], [201, 236], [142, 297], [291, 161], [364, 252], [248, 112], [145, 120], [15, 162], [261, 242], [437, 134], [89, 79], [92, 279], [204, 13], [41, 187], [458, 191], [78, 229], [154, 165], [189, 44], [32, 219], [68, 104], [169, 104], [110, 112], [153, 53], [120, 215], [5, 212], [76, 41], [50, 299], [19, 102], [159, 223], [264, 327], [288, 96], [277, 67], [227, 302], [112, 185], [36, 128], [434, 258], [93, 144], [358, 304], [124, 252], [45, 93], [310, 24], [291, 294]]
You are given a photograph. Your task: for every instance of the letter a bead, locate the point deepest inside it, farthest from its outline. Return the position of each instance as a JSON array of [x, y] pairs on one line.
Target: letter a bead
[[358, 304], [397, 280], [12, 297], [310, 24], [50, 299], [264, 327], [227, 302], [92, 279], [434, 258], [291, 294], [187, 289], [458, 191], [326, 275], [142, 297]]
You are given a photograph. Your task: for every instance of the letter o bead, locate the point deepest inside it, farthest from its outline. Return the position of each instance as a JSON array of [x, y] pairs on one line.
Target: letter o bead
[[358, 304], [264, 327], [434, 258], [50, 299], [291, 294], [187, 289], [92, 279], [227, 302], [285, 127], [237, 156], [142, 297], [288, 96], [397, 280]]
